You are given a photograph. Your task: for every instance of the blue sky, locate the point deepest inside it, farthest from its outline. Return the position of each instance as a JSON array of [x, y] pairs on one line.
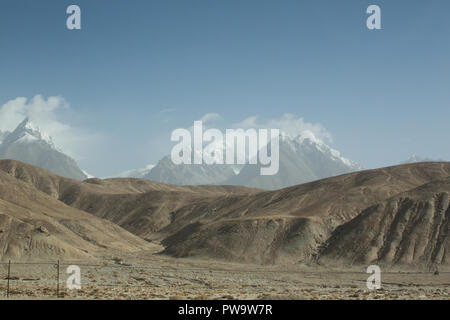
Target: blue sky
[[139, 69]]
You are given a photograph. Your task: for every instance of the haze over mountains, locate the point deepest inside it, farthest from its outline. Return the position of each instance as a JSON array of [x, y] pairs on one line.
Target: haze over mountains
[[302, 159], [396, 216]]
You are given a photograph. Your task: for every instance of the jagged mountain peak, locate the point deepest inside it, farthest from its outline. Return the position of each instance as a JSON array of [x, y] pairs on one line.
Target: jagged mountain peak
[[308, 141], [303, 158], [305, 136], [27, 131], [29, 144]]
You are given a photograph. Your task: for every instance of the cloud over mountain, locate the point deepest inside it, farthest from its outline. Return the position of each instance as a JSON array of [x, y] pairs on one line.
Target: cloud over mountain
[[27, 143], [47, 114], [304, 156], [290, 124]]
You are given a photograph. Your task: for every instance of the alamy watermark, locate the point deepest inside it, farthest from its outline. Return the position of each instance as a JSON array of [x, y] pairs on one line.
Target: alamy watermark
[[73, 21], [374, 281], [235, 147], [74, 280]]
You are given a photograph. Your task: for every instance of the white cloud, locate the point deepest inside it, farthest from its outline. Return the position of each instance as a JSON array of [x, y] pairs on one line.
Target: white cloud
[[290, 125], [45, 114], [210, 117], [38, 110]]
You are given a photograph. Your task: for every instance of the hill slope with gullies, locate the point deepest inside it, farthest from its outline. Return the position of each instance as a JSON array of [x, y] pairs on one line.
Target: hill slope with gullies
[[35, 226], [141, 206], [344, 220], [290, 225], [411, 228]]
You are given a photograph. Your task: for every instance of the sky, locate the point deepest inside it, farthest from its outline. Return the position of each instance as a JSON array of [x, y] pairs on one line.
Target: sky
[[111, 93]]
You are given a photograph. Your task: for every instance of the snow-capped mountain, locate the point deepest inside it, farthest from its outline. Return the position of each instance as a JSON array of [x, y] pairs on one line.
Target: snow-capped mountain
[[302, 159], [27, 143], [195, 174], [137, 173]]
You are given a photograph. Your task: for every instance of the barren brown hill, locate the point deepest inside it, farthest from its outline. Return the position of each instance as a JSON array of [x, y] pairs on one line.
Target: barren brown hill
[[140, 206], [35, 226], [55, 185], [289, 225], [411, 228], [233, 223]]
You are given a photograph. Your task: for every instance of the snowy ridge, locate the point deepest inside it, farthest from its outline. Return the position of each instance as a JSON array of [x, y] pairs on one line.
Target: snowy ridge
[[137, 173], [29, 144], [308, 138], [27, 132], [303, 158]]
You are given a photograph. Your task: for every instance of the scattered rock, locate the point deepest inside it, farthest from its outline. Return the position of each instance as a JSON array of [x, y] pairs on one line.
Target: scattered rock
[[139, 279], [43, 229], [120, 261], [117, 260]]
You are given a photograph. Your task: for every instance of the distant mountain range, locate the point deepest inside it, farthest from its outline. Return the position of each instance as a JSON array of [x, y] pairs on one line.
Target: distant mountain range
[[302, 159], [27, 143]]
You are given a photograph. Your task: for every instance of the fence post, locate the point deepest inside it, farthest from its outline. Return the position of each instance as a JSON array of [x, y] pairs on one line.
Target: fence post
[[57, 280], [9, 276]]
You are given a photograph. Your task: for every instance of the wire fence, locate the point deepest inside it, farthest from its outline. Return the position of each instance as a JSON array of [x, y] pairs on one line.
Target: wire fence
[[21, 278], [53, 276]]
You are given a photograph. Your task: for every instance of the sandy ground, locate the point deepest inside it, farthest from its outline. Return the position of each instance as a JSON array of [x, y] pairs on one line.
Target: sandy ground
[[161, 277]]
